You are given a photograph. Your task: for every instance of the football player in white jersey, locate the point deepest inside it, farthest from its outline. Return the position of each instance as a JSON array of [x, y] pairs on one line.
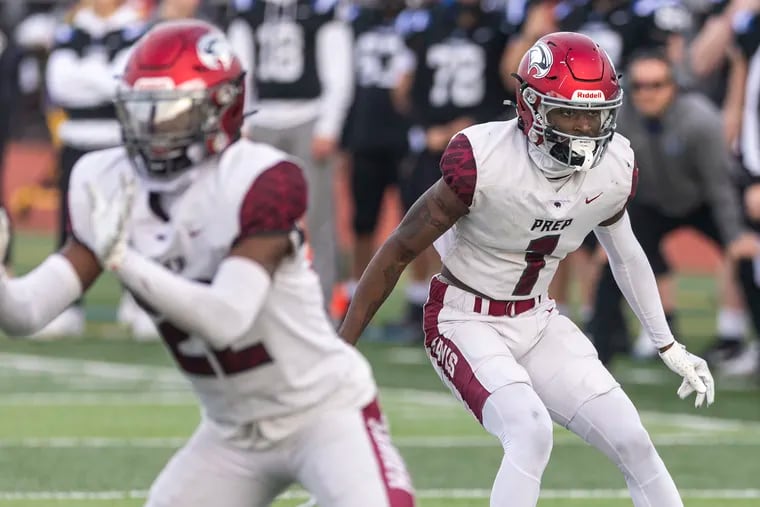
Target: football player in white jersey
[[515, 198], [203, 229]]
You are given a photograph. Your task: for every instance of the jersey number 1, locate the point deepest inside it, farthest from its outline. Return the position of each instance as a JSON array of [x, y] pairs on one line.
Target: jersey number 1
[[534, 258]]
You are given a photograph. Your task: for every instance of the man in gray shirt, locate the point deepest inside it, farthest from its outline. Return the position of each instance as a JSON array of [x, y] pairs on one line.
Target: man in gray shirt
[[684, 181]]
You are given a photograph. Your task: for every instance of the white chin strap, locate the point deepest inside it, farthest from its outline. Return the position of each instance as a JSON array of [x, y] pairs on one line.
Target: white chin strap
[[586, 148], [553, 168]]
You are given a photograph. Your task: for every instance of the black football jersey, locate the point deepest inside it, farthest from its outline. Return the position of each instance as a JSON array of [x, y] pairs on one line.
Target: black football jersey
[[285, 40], [457, 69], [378, 46]]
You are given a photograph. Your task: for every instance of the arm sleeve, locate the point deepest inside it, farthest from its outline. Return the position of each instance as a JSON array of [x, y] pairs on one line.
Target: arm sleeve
[[459, 168], [29, 302], [635, 278], [220, 312], [224, 310], [335, 66]]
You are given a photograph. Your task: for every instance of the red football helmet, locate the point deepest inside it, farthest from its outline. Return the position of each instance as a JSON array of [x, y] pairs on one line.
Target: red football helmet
[[180, 99], [567, 70]]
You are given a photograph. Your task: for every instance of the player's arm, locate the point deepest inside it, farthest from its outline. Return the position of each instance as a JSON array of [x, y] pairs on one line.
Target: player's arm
[[224, 310], [241, 37], [433, 214], [336, 70], [634, 276], [29, 302]]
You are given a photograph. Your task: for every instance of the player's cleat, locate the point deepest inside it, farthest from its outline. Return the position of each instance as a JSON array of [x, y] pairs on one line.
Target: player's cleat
[[723, 350], [742, 363], [339, 303], [140, 325]]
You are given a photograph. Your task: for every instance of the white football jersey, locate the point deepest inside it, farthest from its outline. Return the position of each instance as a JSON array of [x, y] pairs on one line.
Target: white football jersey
[[291, 360], [520, 224]]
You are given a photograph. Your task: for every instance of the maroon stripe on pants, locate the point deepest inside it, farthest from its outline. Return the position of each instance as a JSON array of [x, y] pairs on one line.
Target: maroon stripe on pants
[[398, 484], [448, 357]]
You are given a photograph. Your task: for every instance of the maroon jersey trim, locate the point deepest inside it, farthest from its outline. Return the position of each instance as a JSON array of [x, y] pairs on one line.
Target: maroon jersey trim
[[276, 199], [459, 168]]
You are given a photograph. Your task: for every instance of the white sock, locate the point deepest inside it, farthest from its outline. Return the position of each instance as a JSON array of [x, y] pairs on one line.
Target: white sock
[[732, 323]]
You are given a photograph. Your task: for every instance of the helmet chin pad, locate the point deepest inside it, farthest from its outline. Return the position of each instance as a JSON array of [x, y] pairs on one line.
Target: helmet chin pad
[[560, 152], [574, 152]]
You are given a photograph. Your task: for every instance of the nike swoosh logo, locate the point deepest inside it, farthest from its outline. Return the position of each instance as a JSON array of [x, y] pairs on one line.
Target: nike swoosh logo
[[588, 201]]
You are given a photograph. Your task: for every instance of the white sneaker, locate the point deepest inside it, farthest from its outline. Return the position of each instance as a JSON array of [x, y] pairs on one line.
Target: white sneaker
[[140, 325], [643, 348], [745, 364], [69, 323]]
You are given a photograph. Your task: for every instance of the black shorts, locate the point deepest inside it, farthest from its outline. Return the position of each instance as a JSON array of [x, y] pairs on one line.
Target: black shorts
[[419, 174], [651, 226], [373, 172]]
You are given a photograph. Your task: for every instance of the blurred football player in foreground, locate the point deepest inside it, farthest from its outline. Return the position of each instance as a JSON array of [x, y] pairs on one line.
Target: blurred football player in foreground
[[203, 230]]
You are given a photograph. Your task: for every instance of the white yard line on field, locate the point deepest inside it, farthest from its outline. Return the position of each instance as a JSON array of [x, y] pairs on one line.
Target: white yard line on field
[[422, 442], [177, 398], [440, 494], [86, 367], [168, 378]]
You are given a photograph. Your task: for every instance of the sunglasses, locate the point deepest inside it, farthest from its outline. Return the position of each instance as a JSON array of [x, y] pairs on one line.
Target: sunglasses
[[650, 85]]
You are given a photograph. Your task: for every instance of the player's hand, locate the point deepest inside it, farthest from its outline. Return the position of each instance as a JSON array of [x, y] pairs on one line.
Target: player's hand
[[752, 201], [696, 375], [5, 233], [109, 223], [746, 246], [323, 147], [437, 139]]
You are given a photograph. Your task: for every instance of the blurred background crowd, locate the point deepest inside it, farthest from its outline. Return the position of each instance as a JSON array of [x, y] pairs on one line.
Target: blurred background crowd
[[368, 93]]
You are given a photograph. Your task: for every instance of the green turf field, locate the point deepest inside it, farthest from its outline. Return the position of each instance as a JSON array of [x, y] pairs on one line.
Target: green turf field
[[90, 422]]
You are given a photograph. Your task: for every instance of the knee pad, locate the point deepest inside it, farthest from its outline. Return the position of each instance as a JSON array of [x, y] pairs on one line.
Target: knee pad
[[517, 417]]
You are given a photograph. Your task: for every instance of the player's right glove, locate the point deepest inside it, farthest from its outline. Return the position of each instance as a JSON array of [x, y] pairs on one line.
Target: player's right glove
[[696, 375], [110, 221]]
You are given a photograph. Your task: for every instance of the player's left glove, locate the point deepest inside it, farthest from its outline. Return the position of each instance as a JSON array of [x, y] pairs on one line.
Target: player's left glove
[[109, 223], [696, 375]]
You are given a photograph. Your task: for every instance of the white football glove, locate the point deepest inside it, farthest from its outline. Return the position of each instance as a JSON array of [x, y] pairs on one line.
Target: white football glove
[[696, 375], [109, 223]]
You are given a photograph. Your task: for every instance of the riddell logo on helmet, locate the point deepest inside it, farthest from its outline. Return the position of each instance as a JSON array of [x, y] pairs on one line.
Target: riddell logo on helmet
[[588, 95]]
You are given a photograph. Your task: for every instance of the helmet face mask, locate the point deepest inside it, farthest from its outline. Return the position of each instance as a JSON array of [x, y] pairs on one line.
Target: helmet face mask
[[568, 74], [180, 100], [170, 129]]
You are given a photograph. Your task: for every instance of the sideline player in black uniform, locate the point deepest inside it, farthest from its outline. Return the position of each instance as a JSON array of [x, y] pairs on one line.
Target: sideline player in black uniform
[[376, 134], [298, 57], [452, 81]]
